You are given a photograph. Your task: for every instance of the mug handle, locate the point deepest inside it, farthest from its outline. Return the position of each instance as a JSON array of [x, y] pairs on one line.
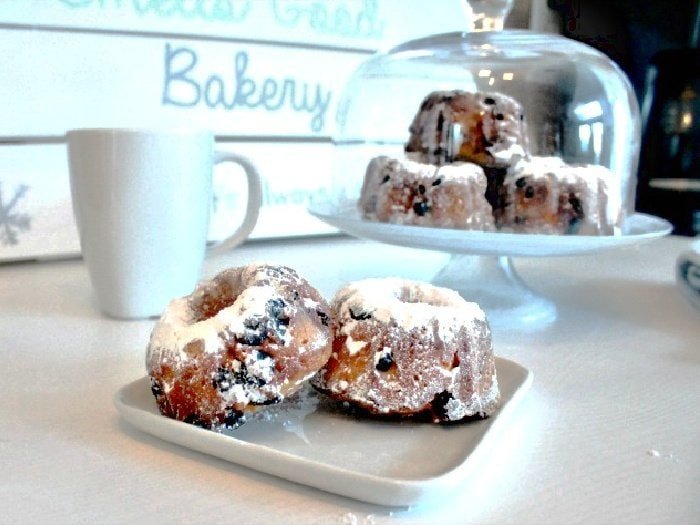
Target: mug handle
[[253, 205]]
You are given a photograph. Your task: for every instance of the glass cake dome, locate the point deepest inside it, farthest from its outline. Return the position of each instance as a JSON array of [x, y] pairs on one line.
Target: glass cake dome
[[552, 123]]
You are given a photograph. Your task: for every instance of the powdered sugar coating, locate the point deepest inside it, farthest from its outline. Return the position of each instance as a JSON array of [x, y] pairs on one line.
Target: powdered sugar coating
[[407, 192], [546, 195], [409, 348], [250, 336], [485, 128]]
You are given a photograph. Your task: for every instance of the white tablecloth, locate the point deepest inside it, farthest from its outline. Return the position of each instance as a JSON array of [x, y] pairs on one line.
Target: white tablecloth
[[609, 432]]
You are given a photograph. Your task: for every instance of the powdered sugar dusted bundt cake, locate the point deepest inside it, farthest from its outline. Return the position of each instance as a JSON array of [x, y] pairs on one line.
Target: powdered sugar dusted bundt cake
[[407, 192], [410, 349], [546, 195], [249, 337], [485, 128]]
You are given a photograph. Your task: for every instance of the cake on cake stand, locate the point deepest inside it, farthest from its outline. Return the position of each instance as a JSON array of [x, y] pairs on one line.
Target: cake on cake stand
[[481, 265], [553, 123]]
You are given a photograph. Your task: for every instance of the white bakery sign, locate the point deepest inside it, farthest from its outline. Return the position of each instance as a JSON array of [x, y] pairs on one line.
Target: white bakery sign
[[266, 73]]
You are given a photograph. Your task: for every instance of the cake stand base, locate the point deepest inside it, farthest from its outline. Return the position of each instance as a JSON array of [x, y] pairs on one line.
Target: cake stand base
[[493, 282]]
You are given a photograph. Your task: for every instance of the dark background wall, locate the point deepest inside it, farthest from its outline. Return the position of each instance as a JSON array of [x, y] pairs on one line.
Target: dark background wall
[[629, 31], [645, 38]]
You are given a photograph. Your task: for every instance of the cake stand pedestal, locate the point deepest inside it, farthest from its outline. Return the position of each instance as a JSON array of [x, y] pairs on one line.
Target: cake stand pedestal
[[481, 268], [493, 282]]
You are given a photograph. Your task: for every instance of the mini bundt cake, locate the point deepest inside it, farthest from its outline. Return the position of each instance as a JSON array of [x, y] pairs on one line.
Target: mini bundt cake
[[548, 196], [406, 192], [249, 337], [410, 349]]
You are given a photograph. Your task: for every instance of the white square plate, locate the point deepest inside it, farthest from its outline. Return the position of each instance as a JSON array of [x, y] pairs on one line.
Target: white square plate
[[309, 440]]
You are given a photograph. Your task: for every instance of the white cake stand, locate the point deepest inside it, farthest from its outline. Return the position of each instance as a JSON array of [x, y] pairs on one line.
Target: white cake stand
[[481, 266]]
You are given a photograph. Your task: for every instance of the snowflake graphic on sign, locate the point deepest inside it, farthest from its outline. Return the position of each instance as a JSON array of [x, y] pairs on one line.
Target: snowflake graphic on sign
[[11, 221]]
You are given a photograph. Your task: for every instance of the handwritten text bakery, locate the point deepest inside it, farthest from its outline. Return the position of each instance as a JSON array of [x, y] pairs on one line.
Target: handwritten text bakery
[[188, 83]]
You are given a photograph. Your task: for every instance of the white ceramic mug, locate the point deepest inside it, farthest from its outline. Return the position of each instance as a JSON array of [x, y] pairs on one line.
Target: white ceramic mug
[[141, 200]]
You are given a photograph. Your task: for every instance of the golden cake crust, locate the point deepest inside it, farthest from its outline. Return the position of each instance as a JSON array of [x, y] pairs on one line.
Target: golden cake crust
[[410, 349], [251, 336], [407, 192], [484, 128]]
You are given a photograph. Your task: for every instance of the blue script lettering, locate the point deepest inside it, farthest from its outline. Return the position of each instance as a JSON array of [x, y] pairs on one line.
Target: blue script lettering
[[330, 17], [184, 60], [83, 3], [185, 86], [205, 10]]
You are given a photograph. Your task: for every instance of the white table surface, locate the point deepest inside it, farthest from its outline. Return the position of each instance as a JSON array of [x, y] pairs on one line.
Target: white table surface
[[609, 432]]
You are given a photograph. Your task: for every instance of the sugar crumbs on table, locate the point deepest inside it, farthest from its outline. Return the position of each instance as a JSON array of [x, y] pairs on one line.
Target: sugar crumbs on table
[[351, 518]]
